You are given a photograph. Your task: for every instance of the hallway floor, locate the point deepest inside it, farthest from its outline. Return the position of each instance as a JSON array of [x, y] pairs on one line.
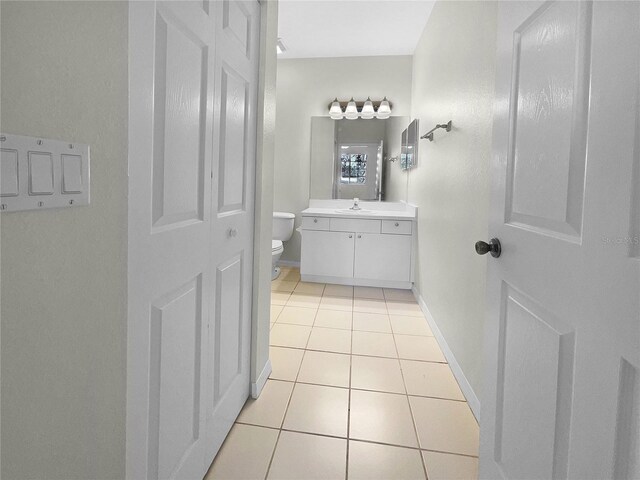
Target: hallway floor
[[359, 390]]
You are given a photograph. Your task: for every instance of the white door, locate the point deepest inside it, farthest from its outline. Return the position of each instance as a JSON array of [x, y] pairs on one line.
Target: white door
[[561, 397], [187, 291], [237, 26]]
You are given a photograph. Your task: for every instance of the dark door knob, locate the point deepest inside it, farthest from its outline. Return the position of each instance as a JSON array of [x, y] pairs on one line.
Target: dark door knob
[[492, 247]]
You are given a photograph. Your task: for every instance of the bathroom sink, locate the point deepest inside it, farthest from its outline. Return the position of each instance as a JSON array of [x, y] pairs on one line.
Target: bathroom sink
[[349, 210]]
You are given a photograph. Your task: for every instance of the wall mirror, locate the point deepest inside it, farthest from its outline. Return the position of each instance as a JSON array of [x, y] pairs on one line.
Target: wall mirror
[[350, 158], [409, 151]]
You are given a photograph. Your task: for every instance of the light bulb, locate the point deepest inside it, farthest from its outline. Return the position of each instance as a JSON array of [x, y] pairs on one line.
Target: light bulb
[[384, 110], [367, 109], [351, 112], [335, 111]]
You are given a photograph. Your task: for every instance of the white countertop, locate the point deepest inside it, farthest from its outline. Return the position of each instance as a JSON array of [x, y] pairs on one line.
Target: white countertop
[[370, 210]]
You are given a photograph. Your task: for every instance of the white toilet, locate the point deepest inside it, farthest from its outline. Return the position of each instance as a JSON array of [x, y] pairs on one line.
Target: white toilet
[[282, 231]]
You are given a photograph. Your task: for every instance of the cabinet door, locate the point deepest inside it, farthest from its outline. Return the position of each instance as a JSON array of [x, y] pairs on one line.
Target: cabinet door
[[327, 253], [383, 257]]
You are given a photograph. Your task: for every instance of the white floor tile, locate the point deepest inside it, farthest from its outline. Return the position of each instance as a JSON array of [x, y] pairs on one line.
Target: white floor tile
[[310, 288], [338, 290], [318, 409], [399, 295], [304, 300], [375, 344], [405, 325], [285, 335], [411, 347], [269, 408], [369, 305], [410, 309], [381, 417], [371, 322], [330, 340], [243, 442], [336, 303], [297, 315], [368, 292], [370, 461], [444, 466], [285, 363], [373, 373], [445, 425], [334, 319], [429, 379], [300, 456], [325, 368]]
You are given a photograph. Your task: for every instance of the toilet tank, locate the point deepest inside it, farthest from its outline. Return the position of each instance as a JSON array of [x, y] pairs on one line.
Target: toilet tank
[[283, 225]]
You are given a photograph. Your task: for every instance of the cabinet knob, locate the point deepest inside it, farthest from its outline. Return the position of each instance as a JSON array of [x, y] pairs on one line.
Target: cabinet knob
[[315, 220], [359, 236], [397, 224], [350, 236]]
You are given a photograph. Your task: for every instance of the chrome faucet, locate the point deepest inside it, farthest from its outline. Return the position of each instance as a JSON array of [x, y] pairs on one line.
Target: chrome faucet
[[356, 201]]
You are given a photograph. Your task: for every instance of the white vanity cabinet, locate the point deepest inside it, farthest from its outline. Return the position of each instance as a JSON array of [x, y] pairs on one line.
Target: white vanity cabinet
[[363, 251]]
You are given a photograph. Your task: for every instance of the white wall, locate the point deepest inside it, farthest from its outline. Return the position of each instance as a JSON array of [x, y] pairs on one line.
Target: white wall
[[453, 79], [305, 87], [265, 150], [64, 76]]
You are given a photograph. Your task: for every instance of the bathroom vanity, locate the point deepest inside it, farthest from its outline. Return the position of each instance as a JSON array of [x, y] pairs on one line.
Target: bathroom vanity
[[373, 246]]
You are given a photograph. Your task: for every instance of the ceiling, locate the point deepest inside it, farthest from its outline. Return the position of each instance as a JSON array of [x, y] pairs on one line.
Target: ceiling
[[350, 28]]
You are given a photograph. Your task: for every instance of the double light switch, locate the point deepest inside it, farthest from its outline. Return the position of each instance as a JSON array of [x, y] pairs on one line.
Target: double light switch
[[37, 173]]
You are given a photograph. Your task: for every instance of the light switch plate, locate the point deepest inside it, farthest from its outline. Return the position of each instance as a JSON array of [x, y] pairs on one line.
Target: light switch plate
[[38, 173]]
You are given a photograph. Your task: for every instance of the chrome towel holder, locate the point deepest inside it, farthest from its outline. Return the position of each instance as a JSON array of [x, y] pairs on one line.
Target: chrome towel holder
[[429, 134]]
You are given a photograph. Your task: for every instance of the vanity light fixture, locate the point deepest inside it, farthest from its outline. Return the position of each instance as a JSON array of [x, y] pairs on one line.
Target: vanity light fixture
[[351, 112], [366, 110]]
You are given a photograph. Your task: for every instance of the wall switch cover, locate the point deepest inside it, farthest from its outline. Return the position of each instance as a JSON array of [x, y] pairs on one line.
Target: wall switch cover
[[38, 173]]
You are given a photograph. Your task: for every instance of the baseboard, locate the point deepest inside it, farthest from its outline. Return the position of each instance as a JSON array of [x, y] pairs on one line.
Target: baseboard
[[288, 263], [258, 385], [465, 386], [360, 282]]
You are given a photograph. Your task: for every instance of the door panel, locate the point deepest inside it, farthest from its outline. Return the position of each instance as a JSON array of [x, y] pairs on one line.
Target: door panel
[[237, 26], [180, 106], [562, 338], [229, 334], [529, 332], [231, 185], [176, 344], [550, 87]]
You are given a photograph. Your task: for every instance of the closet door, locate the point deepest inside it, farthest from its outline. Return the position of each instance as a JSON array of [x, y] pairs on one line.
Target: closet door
[[193, 70], [237, 26], [171, 57]]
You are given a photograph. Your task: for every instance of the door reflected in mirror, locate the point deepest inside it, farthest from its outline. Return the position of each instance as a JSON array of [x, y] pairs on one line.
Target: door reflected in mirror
[[350, 158]]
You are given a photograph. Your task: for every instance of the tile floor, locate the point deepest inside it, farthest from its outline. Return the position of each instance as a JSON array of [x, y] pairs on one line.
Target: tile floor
[[360, 390]]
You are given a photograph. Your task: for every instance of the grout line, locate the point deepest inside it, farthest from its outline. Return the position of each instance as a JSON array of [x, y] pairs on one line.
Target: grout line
[[362, 440], [346, 353], [413, 419], [346, 474]]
